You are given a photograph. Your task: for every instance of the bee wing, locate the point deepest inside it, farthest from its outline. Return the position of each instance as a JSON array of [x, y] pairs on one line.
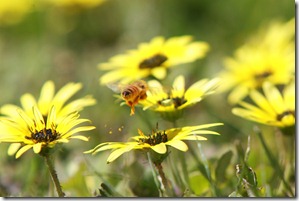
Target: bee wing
[[116, 87]]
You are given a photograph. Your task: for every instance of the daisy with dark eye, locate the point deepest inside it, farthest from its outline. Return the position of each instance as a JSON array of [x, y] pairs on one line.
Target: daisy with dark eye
[[158, 141], [268, 57], [42, 124], [171, 102], [152, 59], [38, 133], [157, 145], [272, 108]]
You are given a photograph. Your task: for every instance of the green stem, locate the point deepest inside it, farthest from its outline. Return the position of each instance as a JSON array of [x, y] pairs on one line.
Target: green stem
[[273, 161], [204, 167], [155, 175], [54, 176]]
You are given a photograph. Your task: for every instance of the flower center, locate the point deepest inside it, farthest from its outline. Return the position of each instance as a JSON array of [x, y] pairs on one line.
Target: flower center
[[45, 135], [285, 113], [155, 139], [153, 61], [175, 101], [262, 76]]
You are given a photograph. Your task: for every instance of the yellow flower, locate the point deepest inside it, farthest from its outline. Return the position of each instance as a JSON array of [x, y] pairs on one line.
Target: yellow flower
[[268, 56], [39, 133], [47, 99], [168, 102], [274, 109], [153, 58], [13, 11], [43, 122], [158, 141]]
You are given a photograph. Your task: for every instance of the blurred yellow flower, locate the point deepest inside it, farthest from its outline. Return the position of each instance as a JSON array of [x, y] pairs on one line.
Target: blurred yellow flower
[[162, 100], [38, 132], [157, 141], [268, 56], [48, 98], [13, 11], [153, 58], [274, 109]]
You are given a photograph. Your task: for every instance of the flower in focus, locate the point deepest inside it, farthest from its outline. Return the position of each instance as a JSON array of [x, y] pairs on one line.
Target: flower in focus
[[152, 59], [157, 141], [273, 108], [269, 56], [13, 11], [169, 102], [38, 132], [47, 99]]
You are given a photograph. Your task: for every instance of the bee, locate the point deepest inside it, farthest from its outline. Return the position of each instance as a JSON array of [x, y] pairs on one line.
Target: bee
[[131, 93]]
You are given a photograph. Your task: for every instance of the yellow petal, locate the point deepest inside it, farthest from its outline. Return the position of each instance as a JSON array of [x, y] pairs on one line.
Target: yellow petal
[[178, 86], [23, 150], [28, 101], [80, 137], [274, 97], [159, 72], [46, 96], [159, 148], [37, 147], [118, 152], [13, 148], [180, 145]]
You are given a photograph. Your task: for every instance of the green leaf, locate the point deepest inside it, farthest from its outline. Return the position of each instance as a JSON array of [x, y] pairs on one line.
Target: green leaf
[[222, 165], [235, 194], [199, 184]]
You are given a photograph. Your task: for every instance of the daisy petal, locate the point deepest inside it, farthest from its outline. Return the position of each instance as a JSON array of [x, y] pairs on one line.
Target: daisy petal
[[180, 145], [23, 150], [159, 148]]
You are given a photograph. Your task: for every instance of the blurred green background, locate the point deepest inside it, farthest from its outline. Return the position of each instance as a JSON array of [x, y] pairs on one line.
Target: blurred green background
[[66, 45]]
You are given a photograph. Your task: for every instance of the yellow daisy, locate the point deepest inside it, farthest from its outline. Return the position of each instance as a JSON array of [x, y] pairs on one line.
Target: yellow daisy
[[153, 58], [13, 11], [177, 98], [157, 141], [47, 99], [39, 133], [268, 56], [273, 108]]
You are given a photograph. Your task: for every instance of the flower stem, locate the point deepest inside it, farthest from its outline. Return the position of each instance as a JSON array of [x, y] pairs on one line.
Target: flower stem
[[155, 175], [165, 182], [49, 162]]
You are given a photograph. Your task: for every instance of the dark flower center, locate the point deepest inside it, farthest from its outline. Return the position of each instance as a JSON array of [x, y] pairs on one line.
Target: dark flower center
[[285, 113], [152, 62], [262, 76], [155, 139], [45, 135], [177, 101]]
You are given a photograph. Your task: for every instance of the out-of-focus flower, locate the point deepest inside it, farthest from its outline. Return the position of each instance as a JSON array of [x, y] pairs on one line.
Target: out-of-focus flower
[[75, 5], [152, 59], [171, 102], [13, 11], [268, 56], [157, 141], [48, 99], [273, 108], [38, 132]]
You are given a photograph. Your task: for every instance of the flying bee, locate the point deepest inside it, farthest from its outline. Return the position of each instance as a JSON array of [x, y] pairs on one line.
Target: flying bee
[[131, 93]]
